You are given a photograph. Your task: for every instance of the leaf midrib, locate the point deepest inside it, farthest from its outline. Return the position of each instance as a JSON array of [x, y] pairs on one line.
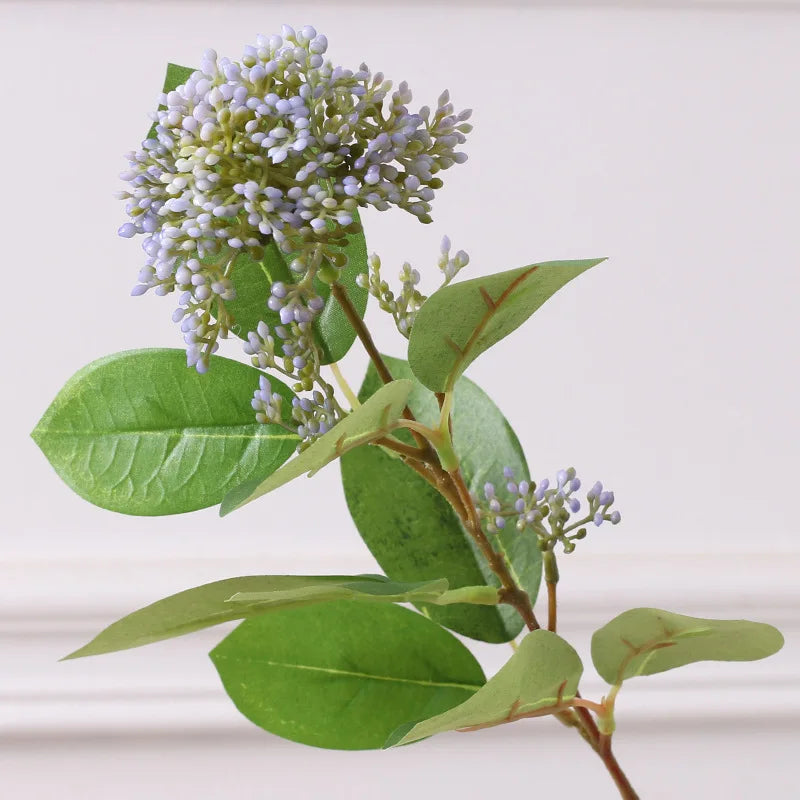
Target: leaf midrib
[[182, 432], [352, 674]]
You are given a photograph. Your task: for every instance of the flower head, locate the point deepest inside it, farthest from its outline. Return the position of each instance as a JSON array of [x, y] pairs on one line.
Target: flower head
[[280, 145]]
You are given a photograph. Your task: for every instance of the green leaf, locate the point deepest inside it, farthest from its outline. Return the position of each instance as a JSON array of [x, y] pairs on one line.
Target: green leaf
[[213, 603], [253, 279], [140, 433], [411, 529], [343, 675], [250, 595], [459, 322], [644, 641], [544, 671], [369, 421], [176, 76]]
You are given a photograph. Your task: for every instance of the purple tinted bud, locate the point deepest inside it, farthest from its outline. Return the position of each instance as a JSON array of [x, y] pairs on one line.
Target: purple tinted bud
[[500, 522], [508, 473], [615, 517], [139, 289], [606, 498], [575, 484], [512, 487], [519, 505], [574, 504], [561, 477], [494, 505], [127, 231], [488, 490], [598, 518], [595, 491], [524, 487]]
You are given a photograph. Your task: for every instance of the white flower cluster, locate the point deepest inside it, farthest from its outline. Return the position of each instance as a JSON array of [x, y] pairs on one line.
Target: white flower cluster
[[279, 143]]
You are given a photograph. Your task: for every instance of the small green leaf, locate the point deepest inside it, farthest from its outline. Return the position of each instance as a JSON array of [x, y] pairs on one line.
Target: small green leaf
[[253, 279], [544, 671], [411, 529], [644, 641], [460, 321], [369, 421], [176, 76], [343, 675], [140, 433], [211, 604]]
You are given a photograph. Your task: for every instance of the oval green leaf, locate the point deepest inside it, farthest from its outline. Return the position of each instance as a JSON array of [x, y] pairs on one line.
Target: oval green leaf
[[460, 321], [140, 433], [253, 279], [644, 641], [543, 672], [369, 421], [343, 675], [412, 531]]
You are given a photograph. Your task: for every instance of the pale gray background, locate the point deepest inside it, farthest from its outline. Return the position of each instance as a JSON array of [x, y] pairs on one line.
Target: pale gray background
[[664, 136]]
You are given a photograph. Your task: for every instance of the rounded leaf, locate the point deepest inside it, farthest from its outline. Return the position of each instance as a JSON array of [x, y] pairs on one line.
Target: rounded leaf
[[343, 675]]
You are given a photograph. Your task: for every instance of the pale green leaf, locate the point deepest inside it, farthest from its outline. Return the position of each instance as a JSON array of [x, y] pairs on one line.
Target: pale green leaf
[[140, 433], [369, 421], [644, 641], [460, 321], [542, 673], [343, 675], [210, 604]]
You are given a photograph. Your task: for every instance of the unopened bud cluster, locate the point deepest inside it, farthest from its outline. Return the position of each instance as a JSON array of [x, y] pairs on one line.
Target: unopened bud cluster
[[280, 145], [550, 511], [404, 306]]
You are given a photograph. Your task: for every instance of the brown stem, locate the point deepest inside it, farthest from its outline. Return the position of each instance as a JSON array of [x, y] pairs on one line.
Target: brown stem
[[626, 791], [511, 593], [353, 317], [407, 450], [551, 607], [340, 293]]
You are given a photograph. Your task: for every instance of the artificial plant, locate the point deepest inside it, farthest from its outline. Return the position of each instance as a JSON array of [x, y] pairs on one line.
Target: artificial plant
[[246, 194]]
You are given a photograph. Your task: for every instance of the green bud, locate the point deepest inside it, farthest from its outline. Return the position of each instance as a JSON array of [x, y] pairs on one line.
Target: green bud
[[328, 273]]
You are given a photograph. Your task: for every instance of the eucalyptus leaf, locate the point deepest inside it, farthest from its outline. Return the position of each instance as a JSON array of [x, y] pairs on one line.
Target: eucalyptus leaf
[[140, 433], [253, 280], [543, 672], [462, 320], [644, 641], [343, 675], [176, 76], [212, 604], [413, 532], [369, 421]]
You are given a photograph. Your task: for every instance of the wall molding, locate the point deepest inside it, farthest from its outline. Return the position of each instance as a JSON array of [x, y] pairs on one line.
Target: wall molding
[[49, 608]]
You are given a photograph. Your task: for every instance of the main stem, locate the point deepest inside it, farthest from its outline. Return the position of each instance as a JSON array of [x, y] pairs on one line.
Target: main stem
[[453, 487]]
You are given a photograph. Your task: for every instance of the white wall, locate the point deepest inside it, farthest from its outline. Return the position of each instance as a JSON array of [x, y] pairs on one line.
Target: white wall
[[662, 135]]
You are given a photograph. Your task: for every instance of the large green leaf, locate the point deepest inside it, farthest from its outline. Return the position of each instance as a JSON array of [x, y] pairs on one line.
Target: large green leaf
[[343, 675], [176, 76], [644, 641], [369, 421], [460, 321], [250, 595], [253, 280], [544, 672], [412, 530], [138, 432]]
